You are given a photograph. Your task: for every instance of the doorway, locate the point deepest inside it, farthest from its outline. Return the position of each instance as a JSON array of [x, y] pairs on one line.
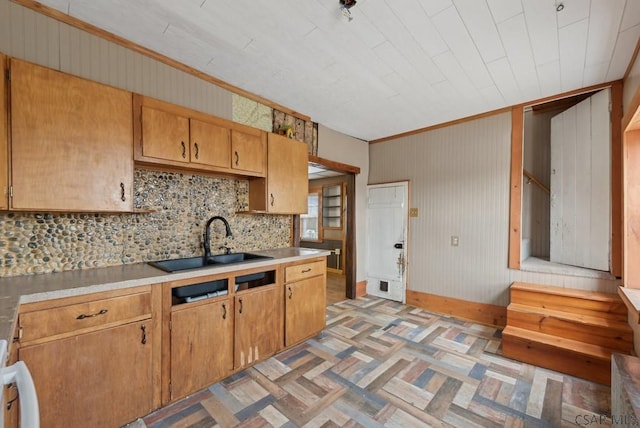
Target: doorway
[[566, 208], [342, 270], [387, 215]]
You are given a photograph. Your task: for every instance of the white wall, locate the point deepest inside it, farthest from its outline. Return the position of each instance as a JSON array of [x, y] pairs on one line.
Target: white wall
[[342, 148], [460, 184], [33, 37]]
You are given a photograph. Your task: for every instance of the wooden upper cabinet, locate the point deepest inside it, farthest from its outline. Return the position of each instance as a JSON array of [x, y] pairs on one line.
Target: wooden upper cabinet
[[286, 187], [4, 146], [210, 144], [166, 135], [249, 149], [71, 142]]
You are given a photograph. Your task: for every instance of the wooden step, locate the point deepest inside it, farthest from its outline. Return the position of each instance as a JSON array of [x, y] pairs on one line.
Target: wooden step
[[603, 330], [569, 300], [584, 360]]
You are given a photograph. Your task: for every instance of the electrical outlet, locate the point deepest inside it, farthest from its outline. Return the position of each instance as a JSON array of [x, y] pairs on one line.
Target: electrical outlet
[[413, 212], [455, 241]]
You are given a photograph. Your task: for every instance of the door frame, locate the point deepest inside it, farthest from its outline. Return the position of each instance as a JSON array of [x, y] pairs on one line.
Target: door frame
[[350, 172]]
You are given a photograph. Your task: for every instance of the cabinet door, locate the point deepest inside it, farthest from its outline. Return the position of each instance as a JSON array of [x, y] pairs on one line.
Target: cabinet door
[[305, 308], [71, 142], [258, 325], [210, 144], [287, 177], [201, 346], [165, 135], [248, 152], [96, 379], [4, 148]]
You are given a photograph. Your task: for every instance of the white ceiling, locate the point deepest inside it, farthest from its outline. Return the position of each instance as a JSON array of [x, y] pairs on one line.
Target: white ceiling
[[398, 65]]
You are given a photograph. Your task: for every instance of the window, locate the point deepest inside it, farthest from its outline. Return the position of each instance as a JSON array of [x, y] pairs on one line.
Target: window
[[310, 227]]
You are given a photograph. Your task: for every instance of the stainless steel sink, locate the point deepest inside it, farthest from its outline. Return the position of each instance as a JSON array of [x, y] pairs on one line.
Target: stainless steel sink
[[178, 265]]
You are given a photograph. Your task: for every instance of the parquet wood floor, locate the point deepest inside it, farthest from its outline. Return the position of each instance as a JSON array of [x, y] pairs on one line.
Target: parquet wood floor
[[380, 363]]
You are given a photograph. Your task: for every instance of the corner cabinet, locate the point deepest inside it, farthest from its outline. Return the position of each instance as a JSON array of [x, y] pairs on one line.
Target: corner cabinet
[[169, 135], [71, 142], [305, 300], [4, 135], [285, 189], [92, 362]]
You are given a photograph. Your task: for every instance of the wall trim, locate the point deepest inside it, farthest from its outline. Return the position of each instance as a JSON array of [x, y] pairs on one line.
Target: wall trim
[[483, 313], [361, 289]]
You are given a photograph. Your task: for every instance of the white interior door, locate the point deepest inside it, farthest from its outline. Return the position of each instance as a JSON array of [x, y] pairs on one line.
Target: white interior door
[[387, 212], [581, 184]]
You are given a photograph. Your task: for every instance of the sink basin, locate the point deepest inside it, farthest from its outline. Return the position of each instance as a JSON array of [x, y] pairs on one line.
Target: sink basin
[[235, 258], [178, 265]]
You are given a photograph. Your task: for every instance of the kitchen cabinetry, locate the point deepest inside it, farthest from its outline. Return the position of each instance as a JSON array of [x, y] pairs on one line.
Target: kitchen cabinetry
[[71, 143], [92, 361], [305, 300], [201, 345], [258, 323], [169, 135], [285, 189], [4, 142]]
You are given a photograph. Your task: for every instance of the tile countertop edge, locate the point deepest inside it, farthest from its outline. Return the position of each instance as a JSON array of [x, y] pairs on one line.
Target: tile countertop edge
[[34, 288]]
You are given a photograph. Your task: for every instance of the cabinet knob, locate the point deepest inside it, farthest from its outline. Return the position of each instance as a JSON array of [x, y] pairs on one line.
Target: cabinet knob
[[240, 301], [237, 157], [272, 199], [195, 146], [224, 311], [122, 195], [184, 149], [290, 293], [144, 334]]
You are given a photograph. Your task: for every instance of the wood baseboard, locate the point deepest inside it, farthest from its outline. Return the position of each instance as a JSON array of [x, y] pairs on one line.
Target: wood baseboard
[[478, 312], [361, 289]]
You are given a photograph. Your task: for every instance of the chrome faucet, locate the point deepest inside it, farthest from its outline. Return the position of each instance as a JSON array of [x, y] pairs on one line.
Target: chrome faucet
[[207, 234]]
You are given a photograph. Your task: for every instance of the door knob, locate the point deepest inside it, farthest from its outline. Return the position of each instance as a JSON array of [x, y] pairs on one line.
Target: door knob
[[398, 246]]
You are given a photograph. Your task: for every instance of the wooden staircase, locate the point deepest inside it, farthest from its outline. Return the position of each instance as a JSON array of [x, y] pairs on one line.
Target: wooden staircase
[[567, 330]]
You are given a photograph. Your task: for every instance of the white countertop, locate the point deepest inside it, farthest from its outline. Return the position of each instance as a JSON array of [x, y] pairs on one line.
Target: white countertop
[[33, 288]]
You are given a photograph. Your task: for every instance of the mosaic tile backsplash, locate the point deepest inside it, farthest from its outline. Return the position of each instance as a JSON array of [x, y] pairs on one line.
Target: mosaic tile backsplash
[[182, 203]]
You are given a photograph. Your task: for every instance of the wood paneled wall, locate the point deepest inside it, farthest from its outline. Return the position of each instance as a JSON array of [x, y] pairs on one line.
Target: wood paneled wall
[[33, 37], [460, 183]]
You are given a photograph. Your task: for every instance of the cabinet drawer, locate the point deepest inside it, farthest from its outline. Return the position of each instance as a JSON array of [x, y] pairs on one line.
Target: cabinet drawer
[[66, 319], [306, 270]]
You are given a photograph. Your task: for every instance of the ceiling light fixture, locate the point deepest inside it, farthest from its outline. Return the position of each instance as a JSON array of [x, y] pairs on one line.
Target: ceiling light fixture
[[345, 5], [559, 7]]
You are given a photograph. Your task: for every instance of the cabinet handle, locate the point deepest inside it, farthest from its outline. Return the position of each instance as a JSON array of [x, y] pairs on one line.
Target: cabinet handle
[[306, 270], [144, 334], [224, 311], [122, 196], [290, 293], [240, 301], [272, 199], [195, 146], [100, 312], [237, 157], [184, 149]]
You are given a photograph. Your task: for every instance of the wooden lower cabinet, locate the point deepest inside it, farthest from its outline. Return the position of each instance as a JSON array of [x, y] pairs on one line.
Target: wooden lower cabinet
[[201, 345], [98, 379], [305, 309], [305, 300], [258, 325]]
